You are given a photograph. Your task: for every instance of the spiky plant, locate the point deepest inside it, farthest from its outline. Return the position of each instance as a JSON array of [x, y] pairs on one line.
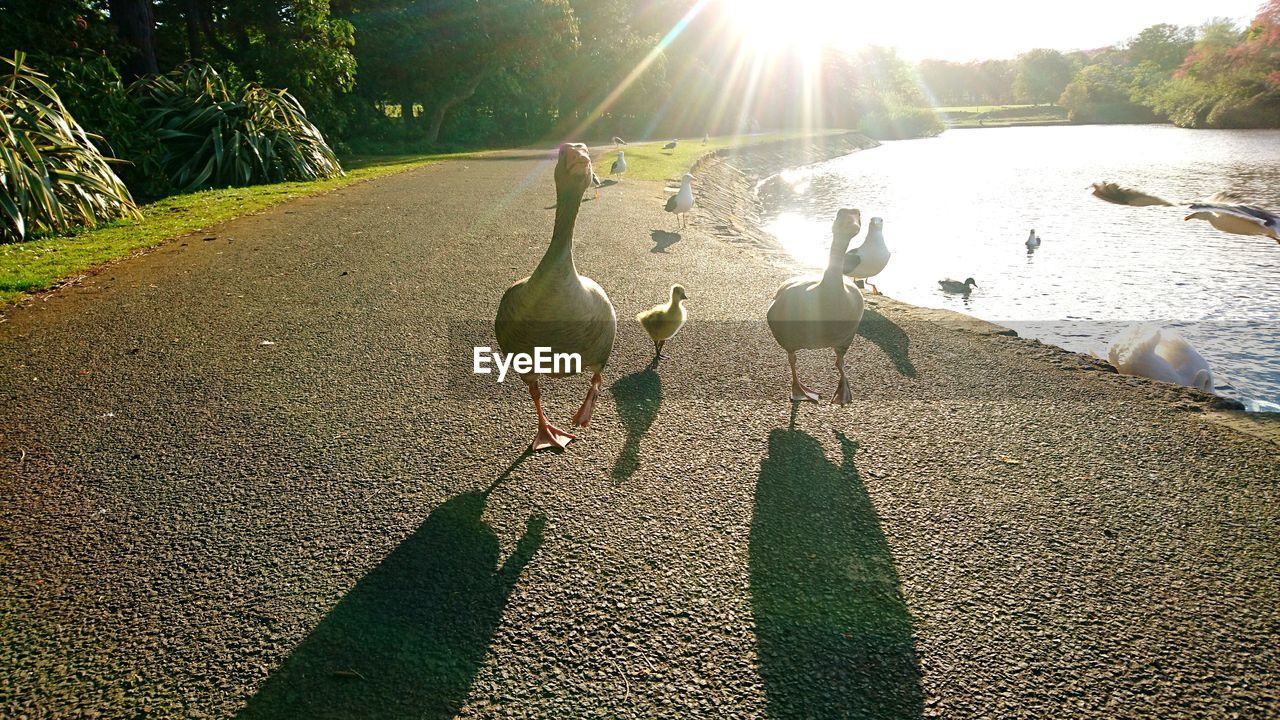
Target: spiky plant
[[52, 177], [218, 134]]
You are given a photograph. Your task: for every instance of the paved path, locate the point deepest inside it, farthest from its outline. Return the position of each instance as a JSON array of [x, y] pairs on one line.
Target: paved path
[[342, 524]]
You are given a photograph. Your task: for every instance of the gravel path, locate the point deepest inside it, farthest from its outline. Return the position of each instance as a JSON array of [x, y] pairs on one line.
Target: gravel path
[[342, 523]]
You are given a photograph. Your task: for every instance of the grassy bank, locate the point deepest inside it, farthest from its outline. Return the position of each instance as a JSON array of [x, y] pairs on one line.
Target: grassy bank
[[648, 161], [1001, 115], [29, 267]]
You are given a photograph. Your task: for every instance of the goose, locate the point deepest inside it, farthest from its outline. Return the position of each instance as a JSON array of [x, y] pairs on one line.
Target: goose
[[955, 286], [682, 202], [619, 165], [1237, 219], [671, 145], [663, 321], [1160, 354], [1113, 193], [816, 312], [556, 307], [618, 141], [869, 258], [1033, 240]]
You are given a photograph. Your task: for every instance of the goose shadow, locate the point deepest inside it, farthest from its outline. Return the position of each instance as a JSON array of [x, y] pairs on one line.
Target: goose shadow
[[890, 338], [833, 635], [663, 239], [638, 397], [408, 639]]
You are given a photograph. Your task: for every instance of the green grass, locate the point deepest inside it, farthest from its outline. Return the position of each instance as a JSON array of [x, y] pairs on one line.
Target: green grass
[[648, 161], [28, 267], [1001, 115]]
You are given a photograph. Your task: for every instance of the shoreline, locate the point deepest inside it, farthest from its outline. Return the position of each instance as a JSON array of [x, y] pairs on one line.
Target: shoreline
[[731, 208]]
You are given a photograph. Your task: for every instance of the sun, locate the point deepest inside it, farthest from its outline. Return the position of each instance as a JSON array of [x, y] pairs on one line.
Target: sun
[[802, 27]]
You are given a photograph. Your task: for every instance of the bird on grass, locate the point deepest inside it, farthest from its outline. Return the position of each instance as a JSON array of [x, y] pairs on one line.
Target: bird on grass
[[870, 258], [955, 286], [817, 312], [619, 165], [671, 145], [1160, 354], [1033, 240], [557, 308], [682, 202], [618, 141], [663, 321]]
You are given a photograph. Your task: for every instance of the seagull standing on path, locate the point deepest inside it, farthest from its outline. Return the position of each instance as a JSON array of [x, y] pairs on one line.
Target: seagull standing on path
[[869, 258], [682, 202], [619, 166]]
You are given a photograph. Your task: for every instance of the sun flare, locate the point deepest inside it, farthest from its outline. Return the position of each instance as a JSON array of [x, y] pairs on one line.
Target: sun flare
[[806, 27]]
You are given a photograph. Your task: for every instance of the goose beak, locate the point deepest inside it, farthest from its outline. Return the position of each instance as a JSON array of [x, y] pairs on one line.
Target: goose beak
[[575, 158], [1187, 218]]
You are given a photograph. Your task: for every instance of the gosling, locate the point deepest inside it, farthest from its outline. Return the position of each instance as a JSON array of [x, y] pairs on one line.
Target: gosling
[[663, 321]]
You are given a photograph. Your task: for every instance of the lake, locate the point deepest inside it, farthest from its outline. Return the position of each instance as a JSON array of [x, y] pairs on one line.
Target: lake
[[960, 205]]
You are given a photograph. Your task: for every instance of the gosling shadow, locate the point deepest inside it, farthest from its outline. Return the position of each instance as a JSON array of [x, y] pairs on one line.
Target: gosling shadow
[[638, 397], [890, 338], [833, 634], [408, 639], [663, 239]]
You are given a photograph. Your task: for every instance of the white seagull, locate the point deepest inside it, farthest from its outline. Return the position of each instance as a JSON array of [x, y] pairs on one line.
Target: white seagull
[[1237, 219], [619, 166], [682, 202], [1033, 240], [869, 258]]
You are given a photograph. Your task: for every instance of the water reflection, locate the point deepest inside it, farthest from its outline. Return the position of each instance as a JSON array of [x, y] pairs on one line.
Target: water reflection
[[961, 205]]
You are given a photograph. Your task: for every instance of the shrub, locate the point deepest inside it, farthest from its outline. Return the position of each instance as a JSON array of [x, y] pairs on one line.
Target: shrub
[[52, 176], [898, 122], [217, 133]]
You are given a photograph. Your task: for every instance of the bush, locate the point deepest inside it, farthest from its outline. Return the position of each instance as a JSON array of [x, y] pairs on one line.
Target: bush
[[898, 122], [217, 133], [52, 176]]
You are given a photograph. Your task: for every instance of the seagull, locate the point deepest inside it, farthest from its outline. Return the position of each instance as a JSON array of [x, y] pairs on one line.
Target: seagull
[[1238, 219], [955, 286], [671, 145], [869, 258], [1033, 240], [619, 166], [706, 138], [618, 141], [682, 202], [595, 183], [1113, 193]]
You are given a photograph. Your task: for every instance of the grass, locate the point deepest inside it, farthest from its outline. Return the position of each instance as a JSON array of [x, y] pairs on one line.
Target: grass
[[29, 267], [648, 161], [1001, 115]]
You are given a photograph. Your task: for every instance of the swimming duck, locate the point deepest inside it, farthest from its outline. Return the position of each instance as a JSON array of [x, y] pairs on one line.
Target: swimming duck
[[556, 307], [619, 165], [1033, 240], [1160, 354], [682, 202], [663, 321], [955, 286], [869, 258], [816, 312]]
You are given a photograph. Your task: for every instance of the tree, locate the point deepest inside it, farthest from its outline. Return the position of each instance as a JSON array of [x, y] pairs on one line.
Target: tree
[[1164, 46], [135, 23], [1042, 76]]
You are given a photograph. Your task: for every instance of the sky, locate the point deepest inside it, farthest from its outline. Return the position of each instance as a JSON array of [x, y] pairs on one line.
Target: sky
[[968, 29]]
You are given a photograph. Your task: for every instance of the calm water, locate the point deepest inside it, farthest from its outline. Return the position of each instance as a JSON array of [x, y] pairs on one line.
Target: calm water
[[961, 204]]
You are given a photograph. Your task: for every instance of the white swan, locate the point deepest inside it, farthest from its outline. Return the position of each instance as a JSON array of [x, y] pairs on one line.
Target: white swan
[[1160, 354]]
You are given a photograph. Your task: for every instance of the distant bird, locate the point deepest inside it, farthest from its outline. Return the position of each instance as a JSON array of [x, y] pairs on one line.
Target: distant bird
[[1160, 354], [1033, 240], [706, 138], [671, 145], [816, 312], [955, 286], [1114, 193], [682, 202], [663, 321], [619, 165], [869, 258], [557, 308], [618, 141], [1237, 219], [596, 184]]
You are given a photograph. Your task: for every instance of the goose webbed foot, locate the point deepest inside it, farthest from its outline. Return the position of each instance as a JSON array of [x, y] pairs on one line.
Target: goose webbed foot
[[843, 395], [582, 418], [551, 437], [802, 393]]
